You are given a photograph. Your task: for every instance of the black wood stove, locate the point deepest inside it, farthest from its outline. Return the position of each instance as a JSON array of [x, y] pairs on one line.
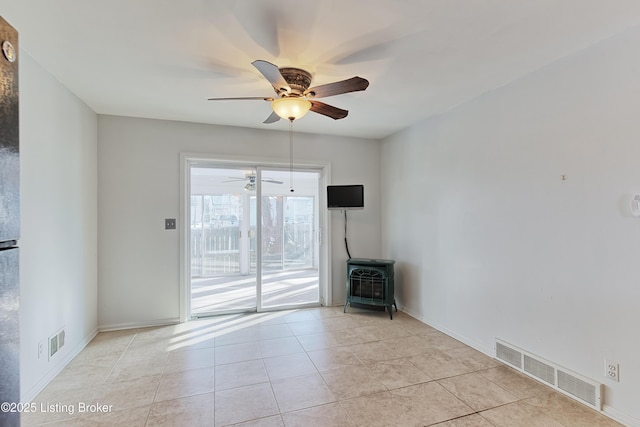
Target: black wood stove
[[370, 282]]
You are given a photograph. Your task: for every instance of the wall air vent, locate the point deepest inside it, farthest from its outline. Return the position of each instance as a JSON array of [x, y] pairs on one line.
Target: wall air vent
[[540, 370], [509, 355], [573, 385]]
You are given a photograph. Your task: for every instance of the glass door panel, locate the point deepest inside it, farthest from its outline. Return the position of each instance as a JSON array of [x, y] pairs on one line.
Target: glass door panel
[[289, 221], [222, 276]]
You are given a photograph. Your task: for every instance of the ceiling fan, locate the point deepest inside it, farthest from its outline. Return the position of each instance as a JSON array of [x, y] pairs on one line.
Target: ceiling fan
[[251, 177], [294, 96]]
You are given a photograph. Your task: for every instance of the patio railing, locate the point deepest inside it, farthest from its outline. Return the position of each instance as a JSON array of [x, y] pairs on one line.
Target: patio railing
[[216, 251]]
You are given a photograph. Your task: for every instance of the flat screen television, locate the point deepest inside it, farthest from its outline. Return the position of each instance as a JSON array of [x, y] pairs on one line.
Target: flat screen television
[[345, 196]]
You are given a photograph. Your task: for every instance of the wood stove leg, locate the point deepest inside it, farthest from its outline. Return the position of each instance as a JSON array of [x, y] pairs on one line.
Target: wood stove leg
[[394, 304], [345, 306], [390, 312]]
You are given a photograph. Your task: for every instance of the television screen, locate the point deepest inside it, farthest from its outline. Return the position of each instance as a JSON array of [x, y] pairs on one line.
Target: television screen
[[345, 196]]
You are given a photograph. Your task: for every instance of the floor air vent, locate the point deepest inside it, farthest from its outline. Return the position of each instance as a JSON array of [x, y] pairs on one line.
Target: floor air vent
[[573, 385]]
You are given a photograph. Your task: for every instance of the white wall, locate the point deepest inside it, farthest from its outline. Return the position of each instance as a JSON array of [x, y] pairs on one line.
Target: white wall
[[139, 185], [491, 242], [58, 259]]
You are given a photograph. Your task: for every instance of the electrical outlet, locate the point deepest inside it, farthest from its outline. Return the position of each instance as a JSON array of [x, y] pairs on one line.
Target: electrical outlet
[[170, 224], [611, 370], [40, 349]]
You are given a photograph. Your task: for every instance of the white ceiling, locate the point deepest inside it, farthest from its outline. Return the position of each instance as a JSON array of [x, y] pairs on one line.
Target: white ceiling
[[163, 58]]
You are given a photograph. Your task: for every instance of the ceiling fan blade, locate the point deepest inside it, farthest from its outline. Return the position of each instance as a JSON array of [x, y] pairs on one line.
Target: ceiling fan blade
[[273, 117], [328, 110], [235, 180], [353, 84], [272, 73], [241, 98], [272, 181]]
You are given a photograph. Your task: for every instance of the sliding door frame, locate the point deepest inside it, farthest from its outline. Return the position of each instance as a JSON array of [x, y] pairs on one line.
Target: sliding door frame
[[187, 160]]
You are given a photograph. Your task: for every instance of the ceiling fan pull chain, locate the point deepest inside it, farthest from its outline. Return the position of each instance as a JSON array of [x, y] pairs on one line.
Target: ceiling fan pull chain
[[291, 155]]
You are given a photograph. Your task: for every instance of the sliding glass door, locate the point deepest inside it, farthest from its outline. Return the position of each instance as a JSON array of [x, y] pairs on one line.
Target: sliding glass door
[[244, 261]]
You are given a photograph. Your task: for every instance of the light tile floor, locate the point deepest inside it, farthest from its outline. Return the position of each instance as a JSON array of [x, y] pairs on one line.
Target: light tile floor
[[237, 292], [313, 367]]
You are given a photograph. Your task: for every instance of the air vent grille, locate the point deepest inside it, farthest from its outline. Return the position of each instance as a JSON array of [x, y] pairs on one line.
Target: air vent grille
[[573, 385], [509, 355], [540, 370], [577, 387]]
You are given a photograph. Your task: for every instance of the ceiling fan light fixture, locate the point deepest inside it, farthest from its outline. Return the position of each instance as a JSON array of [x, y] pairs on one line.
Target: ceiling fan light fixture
[[291, 108], [251, 186]]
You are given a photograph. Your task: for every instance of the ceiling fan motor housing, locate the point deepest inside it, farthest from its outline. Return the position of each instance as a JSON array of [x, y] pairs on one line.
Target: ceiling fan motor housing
[[294, 97], [299, 80]]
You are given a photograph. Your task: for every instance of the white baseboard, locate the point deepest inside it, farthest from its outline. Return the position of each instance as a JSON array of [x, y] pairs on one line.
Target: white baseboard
[[135, 325], [489, 351], [31, 394], [620, 417]]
